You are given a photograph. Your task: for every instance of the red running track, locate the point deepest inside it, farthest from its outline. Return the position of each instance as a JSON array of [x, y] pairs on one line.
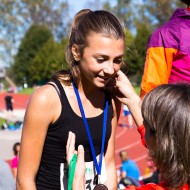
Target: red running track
[[20, 100], [127, 139]]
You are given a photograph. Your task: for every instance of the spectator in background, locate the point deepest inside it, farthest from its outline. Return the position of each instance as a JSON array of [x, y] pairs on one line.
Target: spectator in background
[[128, 119], [9, 102], [168, 52], [7, 181], [14, 161], [152, 174], [129, 168]]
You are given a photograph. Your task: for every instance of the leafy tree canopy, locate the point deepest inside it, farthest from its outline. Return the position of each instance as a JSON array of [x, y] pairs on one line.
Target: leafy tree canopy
[[35, 38]]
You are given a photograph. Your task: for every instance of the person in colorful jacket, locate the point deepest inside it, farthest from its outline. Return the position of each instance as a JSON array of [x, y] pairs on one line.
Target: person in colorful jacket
[[164, 125], [168, 52]]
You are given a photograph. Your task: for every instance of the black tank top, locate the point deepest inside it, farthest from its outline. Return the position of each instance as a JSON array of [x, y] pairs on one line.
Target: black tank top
[[54, 150]]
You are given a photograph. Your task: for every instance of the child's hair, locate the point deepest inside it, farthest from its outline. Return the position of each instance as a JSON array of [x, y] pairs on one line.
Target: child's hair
[[15, 148], [85, 23], [166, 116]]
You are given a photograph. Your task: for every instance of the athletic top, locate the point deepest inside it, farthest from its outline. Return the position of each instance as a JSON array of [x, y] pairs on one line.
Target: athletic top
[[54, 150], [168, 53]]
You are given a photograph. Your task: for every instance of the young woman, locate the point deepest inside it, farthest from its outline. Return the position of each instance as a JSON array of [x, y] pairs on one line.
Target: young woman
[[95, 54], [165, 112]]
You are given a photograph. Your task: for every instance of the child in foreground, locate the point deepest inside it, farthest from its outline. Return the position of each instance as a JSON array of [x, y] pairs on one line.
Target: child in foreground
[[165, 132]]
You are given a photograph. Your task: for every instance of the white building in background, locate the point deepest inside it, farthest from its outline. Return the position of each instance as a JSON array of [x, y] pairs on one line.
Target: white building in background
[[2, 72]]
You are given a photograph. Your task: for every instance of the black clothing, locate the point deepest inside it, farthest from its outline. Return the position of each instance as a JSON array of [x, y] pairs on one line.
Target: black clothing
[[8, 102], [153, 179], [54, 151]]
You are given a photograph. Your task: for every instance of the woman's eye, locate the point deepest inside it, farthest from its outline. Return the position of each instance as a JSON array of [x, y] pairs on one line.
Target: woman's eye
[[118, 61], [100, 60]]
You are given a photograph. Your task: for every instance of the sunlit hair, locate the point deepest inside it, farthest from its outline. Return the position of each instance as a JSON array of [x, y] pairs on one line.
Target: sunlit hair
[[86, 22], [166, 112]]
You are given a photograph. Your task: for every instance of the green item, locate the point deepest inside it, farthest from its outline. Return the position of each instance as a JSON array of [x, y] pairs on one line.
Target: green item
[[72, 166]]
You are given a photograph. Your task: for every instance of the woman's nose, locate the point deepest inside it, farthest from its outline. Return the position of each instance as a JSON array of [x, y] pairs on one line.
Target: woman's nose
[[109, 68]]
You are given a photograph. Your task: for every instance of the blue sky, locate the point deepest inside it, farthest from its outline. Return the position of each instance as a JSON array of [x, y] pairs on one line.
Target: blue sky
[[77, 5]]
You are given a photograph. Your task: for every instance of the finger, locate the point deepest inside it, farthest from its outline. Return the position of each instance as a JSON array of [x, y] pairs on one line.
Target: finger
[[68, 140], [80, 154], [70, 146], [79, 177], [72, 143]]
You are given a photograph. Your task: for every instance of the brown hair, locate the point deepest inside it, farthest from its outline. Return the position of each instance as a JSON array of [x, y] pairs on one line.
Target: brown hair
[[165, 112], [85, 22], [17, 144]]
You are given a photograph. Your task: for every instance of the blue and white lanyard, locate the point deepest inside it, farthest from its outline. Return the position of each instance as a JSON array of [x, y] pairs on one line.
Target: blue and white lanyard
[[97, 166]]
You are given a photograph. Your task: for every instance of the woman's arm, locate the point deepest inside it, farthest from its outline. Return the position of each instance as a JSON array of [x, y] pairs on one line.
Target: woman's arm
[[41, 111], [125, 93], [111, 182]]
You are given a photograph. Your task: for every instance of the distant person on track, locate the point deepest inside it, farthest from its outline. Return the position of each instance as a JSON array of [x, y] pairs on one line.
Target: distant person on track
[[127, 118], [128, 166], [9, 104], [129, 169], [14, 161]]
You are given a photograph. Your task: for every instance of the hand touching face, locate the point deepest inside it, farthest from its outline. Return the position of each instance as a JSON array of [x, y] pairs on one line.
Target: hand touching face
[[121, 87]]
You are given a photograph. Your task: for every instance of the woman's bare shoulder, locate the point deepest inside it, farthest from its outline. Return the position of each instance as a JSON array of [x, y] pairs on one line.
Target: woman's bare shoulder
[[44, 95]]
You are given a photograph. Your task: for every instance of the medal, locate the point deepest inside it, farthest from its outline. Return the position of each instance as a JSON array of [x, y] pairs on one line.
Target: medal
[[97, 166], [100, 187]]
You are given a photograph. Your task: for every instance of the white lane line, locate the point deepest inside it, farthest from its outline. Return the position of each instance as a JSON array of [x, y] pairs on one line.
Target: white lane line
[[121, 133], [128, 146]]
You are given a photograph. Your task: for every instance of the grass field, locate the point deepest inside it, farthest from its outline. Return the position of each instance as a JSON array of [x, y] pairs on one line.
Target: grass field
[[31, 90], [1, 122], [137, 89], [27, 91]]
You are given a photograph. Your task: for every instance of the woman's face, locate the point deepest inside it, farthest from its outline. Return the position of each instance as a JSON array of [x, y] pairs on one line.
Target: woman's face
[[101, 59]]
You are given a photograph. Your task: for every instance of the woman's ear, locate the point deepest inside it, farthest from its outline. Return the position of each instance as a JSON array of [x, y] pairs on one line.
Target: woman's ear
[[75, 52]]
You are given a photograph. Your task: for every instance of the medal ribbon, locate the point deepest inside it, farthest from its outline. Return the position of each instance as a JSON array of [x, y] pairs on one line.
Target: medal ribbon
[[97, 166]]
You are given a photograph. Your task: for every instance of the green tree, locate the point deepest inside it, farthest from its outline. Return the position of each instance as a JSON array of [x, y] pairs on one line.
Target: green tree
[[160, 11], [34, 39], [48, 60], [136, 51], [17, 16], [130, 52], [141, 39], [124, 10]]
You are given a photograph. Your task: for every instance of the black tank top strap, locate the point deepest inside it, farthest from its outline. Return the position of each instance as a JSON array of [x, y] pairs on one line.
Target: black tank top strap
[[59, 88], [56, 88]]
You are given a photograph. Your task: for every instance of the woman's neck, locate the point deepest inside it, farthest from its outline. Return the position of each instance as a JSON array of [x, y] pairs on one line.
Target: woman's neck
[[89, 89], [90, 93]]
